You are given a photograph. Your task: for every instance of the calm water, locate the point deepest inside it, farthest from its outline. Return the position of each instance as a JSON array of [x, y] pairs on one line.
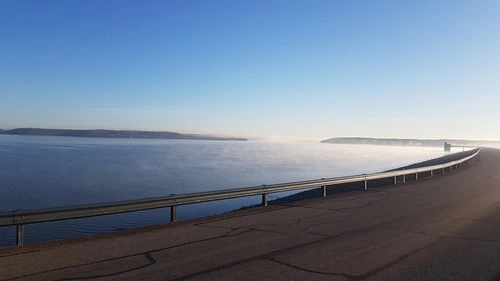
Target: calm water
[[40, 172]]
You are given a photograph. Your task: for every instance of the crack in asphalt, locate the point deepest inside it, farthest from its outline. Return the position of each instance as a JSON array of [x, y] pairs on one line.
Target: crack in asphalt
[[256, 226], [367, 204], [18, 254], [151, 261], [348, 276]]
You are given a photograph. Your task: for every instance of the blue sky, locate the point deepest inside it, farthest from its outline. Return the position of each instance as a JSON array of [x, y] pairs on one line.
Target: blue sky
[[272, 69]]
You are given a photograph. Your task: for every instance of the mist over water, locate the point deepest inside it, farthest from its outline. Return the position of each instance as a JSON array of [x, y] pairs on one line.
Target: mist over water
[[41, 172]]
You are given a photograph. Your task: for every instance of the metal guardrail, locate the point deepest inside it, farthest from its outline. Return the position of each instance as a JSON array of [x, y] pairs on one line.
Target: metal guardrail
[[21, 217]]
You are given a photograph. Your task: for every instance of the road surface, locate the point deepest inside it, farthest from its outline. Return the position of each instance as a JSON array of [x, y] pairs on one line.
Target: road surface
[[442, 228]]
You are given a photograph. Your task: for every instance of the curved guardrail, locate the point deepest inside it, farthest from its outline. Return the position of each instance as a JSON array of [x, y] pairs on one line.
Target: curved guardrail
[[21, 217]]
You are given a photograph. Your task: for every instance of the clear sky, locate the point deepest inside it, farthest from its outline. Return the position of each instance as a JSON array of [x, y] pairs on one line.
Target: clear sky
[[311, 69]]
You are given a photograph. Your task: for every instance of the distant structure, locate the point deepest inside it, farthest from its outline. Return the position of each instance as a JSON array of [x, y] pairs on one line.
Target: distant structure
[[447, 147]]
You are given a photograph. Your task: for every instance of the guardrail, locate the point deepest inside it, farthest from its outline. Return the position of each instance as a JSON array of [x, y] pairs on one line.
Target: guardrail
[[19, 218]]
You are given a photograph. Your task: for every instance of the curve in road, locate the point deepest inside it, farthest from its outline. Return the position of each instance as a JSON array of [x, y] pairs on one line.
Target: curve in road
[[441, 228]]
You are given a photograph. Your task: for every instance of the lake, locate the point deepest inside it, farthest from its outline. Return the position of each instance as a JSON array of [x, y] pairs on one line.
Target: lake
[[41, 172]]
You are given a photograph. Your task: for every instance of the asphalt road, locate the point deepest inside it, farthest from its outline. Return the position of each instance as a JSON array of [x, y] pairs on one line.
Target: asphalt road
[[442, 228]]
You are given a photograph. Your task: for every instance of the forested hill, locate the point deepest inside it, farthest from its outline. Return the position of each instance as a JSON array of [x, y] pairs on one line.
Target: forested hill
[[112, 134]]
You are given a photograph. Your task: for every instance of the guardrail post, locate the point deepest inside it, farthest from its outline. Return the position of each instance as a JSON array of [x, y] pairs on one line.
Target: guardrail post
[[173, 213], [20, 235], [264, 199], [324, 190]]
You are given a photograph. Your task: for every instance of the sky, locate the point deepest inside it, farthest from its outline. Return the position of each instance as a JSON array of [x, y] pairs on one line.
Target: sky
[[274, 70]]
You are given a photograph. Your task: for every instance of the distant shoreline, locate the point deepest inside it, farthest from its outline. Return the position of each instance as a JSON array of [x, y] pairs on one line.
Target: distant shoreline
[[409, 142], [114, 134]]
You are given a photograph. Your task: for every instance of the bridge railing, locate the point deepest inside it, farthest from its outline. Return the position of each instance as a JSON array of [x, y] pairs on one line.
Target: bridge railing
[[19, 218]]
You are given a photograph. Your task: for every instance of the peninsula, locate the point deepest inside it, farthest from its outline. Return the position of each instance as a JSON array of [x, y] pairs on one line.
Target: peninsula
[[113, 134]]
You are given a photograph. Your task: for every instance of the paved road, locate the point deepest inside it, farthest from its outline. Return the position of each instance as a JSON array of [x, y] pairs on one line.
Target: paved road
[[441, 228]]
